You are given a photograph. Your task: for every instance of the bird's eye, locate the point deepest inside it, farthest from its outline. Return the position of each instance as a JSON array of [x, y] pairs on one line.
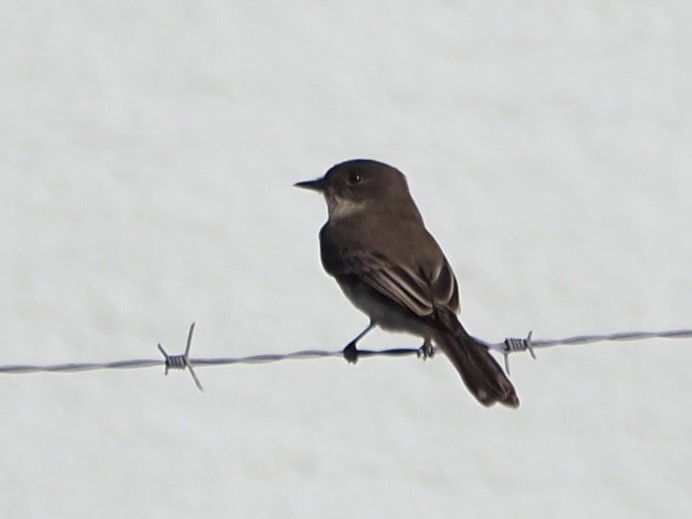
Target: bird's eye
[[353, 179]]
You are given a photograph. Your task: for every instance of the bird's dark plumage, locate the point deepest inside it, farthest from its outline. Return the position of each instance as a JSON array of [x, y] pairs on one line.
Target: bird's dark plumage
[[376, 246]]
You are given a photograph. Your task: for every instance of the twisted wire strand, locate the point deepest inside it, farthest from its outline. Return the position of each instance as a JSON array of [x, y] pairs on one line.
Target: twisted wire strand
[[514, 345], [184, 362]]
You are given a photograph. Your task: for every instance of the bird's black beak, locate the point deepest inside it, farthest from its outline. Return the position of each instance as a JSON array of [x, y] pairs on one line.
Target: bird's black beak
[[314, 185]]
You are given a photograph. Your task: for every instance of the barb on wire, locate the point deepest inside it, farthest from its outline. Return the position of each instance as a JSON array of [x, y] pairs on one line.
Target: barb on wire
[[514, 345], [183, 361]]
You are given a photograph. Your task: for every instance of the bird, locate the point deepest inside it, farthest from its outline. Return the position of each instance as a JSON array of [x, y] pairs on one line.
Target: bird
[[377, 248]]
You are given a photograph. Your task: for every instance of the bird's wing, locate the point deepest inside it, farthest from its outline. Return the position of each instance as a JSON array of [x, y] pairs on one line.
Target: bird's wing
[[420, 288]]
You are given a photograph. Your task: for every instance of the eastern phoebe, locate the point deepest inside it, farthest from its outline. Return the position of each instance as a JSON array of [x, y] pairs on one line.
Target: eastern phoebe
[[376, 246]]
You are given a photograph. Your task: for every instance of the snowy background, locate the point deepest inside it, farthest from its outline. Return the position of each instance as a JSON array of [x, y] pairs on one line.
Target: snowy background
[[147, 156]]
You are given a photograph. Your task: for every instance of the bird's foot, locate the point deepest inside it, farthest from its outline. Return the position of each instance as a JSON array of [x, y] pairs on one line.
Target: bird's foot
[[427, 351], [350, 353]]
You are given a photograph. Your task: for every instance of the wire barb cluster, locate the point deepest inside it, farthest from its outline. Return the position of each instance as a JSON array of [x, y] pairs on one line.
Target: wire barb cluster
[[184, 362], [181, 361], [512, 345]]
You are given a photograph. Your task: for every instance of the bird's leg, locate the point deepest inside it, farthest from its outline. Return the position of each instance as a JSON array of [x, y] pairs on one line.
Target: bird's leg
[[427, 351], [350, 352]]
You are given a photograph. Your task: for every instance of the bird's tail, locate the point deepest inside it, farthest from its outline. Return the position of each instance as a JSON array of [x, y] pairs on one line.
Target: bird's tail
[[481, 374]]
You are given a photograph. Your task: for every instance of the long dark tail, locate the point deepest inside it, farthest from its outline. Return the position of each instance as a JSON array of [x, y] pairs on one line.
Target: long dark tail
[[481, 374]]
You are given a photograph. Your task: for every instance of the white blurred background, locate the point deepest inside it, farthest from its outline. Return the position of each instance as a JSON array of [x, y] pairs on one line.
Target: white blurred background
[[147, 154]]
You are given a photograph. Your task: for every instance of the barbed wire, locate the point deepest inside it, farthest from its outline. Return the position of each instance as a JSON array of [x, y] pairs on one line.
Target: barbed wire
[[184, 362]]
